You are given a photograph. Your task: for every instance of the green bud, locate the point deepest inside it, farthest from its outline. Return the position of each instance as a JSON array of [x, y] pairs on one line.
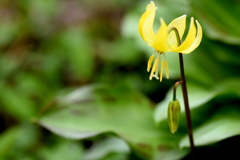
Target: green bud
[[173, 115]]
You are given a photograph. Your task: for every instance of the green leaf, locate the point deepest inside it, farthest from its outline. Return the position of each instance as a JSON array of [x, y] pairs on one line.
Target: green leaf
[[7, 140], [14, 141], [110, 146], [224, 125], [172, 154], [62, 149], [92, 110], [77, 47], [15, 103], [219, 19]]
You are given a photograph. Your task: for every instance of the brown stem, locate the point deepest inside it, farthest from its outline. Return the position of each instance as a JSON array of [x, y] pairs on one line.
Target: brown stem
[[186, 104], [175, 89], [185, 94]]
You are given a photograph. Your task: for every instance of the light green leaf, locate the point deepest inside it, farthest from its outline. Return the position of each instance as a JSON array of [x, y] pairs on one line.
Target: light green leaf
[[224, 125], [63, 149], [108, 146], [172, 155], [220, 19], [93, 110]]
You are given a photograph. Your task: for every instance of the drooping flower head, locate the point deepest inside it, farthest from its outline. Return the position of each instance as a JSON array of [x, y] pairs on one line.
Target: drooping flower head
[[165, 39]]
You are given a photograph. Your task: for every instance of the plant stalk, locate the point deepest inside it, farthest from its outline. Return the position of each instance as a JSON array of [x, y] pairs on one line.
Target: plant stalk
[[186, 104], [185, 93]]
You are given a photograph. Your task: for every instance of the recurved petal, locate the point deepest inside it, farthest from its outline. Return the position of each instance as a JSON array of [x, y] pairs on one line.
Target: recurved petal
[[150, 6], [145, 25], [189, 39], [197, 40], [180, 24], [160, 40]]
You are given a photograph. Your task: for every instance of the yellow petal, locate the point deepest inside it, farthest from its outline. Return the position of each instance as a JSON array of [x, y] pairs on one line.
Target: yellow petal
[[189, 39], [160, 40], [197, 40], [150, 6], [180, 24], [145, 25], [154, 68], [150, 63]]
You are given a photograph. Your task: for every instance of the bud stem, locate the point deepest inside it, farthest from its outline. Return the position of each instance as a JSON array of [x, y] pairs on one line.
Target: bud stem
[[175, 89]]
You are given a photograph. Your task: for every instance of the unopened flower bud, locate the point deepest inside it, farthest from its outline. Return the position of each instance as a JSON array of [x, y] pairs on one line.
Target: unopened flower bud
[[173, 115]]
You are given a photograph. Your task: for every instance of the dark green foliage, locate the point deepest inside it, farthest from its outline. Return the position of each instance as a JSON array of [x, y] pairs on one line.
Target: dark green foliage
[[78, 68]]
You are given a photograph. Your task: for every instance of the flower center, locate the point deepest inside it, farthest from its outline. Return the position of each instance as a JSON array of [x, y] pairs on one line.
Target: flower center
[[156, 65]]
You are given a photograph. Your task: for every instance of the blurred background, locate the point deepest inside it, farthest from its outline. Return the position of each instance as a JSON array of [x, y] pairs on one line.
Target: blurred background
[[74, 85]]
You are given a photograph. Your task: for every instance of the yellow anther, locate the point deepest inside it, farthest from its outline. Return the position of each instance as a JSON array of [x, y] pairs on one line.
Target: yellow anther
[[167, 72], [154, 68], [150, 63], [162, 69]]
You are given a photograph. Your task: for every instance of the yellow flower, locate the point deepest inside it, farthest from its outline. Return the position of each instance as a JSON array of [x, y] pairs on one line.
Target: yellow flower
[[165, 39]]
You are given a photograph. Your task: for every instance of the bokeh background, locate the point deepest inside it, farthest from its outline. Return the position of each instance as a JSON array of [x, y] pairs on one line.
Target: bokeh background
[[74, 85]]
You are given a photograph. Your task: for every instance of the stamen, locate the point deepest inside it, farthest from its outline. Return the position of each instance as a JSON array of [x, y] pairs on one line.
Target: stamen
[[162, 68], [154, 68], [150, 63], [167, 73], [156, 72]]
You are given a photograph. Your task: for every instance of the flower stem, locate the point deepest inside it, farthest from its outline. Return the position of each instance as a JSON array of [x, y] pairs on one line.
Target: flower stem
[[185, 93], [186, 104]]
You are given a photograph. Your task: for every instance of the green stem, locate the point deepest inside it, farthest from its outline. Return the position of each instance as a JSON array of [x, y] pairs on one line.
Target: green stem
[[185, 94], [175, 89]]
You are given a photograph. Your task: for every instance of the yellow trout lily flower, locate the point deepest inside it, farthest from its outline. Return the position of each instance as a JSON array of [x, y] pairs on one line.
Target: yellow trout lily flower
[[165, 39]]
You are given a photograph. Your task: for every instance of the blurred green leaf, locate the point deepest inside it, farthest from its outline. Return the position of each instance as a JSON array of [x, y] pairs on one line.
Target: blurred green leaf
[[171, 155], [62, 149], [91, 110], [39, 14], [121, 51], [23, 142], [8, 30], [116, 148], [13, 142], [7, 66], [7, 140], [76, 46], [219, 18], [15, 103], [224, 125], [31, 86]]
